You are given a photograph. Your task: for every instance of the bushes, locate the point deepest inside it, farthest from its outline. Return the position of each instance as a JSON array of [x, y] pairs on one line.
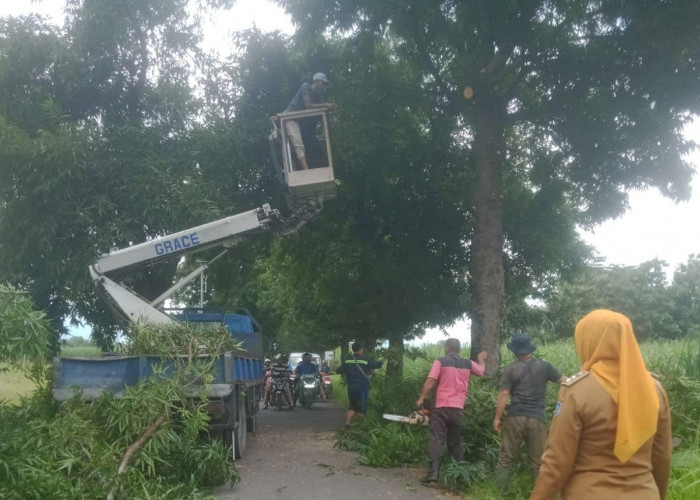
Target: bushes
[[463, 475], [394, 444], [79, 449], [381, 443], [384, 444]]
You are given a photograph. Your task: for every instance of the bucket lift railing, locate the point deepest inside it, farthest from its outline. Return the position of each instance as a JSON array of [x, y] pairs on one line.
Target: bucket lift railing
[[318, 182]]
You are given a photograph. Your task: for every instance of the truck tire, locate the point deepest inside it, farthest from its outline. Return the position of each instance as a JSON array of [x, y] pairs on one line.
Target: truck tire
[[240, 433], [253, 405]]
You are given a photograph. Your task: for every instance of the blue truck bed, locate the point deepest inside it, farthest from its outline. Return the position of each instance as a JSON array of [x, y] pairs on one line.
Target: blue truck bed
[[94, 376], [111, 373], [235, 392]]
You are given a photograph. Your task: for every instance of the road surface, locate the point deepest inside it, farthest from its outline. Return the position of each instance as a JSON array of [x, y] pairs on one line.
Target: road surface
[[292, 458]]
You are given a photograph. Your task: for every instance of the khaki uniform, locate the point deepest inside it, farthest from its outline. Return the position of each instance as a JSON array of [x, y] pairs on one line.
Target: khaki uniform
[[579, 461]]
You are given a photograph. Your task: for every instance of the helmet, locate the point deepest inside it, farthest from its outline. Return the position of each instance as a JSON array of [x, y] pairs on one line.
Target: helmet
[[320, 76]]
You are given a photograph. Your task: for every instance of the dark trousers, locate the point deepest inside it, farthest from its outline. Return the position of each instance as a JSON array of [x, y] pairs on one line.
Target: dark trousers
[[446, 425]]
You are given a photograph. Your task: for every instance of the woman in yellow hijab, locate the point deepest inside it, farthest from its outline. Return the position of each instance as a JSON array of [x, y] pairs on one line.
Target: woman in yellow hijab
[[611, 432]]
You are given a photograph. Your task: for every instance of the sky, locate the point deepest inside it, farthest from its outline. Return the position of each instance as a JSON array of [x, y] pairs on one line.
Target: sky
[[652, 227]]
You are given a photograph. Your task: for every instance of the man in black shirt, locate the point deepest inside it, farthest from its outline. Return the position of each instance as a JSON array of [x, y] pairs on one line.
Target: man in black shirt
[[280, 371], [524, 381], [357, 369]]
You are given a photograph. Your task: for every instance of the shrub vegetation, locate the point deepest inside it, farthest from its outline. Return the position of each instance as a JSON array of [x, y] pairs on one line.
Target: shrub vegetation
[[150, 442], [386, 444]]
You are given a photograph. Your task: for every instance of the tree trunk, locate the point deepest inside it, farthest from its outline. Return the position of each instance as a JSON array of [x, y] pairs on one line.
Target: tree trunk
[[344, 350], [488, 281], [394, 364]]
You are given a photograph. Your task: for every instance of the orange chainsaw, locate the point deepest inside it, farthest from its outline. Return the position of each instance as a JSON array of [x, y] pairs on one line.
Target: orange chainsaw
[[420, 417]]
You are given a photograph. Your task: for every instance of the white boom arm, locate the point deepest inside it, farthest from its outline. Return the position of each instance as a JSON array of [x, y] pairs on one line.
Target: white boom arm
[[221, 232]]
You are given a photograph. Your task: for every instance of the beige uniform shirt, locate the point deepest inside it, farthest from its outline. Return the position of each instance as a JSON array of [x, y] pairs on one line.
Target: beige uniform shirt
[[579, 461]]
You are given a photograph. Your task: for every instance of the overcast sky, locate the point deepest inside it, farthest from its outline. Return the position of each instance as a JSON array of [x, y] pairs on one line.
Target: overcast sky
[[652, 227]]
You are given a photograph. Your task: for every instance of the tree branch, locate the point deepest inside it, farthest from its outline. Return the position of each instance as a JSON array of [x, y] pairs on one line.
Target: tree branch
[[137, 446]]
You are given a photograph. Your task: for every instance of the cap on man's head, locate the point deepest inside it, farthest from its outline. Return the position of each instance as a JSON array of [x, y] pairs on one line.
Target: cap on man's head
[[521, 344], [321, 76]]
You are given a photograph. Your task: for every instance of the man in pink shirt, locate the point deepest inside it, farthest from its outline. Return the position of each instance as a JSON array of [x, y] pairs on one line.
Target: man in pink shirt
[[451, 376]]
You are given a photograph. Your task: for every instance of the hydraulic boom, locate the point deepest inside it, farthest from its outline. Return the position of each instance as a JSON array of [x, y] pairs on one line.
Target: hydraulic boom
[[223, 232]]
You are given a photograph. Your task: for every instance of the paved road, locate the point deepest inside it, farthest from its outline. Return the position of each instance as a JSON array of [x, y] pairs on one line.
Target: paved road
[[292, 458]]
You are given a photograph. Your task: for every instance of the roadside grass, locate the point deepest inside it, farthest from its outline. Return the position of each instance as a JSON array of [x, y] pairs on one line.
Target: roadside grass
[[14, 384], [340, 390], [80, 351], [384, 444]]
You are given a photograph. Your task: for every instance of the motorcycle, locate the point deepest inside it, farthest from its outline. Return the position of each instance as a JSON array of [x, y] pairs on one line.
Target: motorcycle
[[307, 388], [327, 385], [280, 389]]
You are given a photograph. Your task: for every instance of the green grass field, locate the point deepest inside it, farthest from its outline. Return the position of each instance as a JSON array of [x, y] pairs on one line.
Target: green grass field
[[13, 384]]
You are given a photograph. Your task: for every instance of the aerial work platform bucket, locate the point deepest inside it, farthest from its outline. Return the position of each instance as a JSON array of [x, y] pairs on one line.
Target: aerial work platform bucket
[[318, 182]]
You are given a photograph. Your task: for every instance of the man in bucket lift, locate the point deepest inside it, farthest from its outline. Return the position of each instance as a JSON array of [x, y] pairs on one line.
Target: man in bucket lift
[[309, 96]]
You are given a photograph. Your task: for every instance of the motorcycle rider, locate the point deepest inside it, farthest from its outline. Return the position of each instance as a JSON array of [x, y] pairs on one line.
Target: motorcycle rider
[[325, 371], [305, 367], [280, 370], [267, 381]]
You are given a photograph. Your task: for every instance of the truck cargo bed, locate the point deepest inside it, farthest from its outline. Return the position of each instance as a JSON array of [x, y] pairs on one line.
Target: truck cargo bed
[[95, 376]]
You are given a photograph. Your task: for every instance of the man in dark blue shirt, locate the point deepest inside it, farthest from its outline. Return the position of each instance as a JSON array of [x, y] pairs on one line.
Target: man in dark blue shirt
[[357, 369], [306, 366], [309, 96]]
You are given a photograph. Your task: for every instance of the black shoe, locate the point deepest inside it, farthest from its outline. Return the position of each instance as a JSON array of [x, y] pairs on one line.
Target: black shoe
[[432, 477], [434, 473]]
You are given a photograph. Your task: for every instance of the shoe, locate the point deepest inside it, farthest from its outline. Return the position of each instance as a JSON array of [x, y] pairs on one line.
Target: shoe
[[431, 477], [265, 407]]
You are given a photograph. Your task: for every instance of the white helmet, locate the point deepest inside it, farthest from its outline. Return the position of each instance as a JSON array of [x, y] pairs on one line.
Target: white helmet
[[320, 76]]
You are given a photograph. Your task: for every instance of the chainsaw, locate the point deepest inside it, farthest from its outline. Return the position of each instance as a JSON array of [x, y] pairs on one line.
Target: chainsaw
[[419, 417]]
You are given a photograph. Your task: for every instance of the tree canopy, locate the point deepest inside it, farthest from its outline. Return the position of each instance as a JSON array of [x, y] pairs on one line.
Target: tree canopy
[[575, 101], [471, 139]]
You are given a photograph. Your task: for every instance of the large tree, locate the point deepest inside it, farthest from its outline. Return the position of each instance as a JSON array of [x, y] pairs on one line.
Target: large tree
[[385, 259], [95, 151], [596, 91]]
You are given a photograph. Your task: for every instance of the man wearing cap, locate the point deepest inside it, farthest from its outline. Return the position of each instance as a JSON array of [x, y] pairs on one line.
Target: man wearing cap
[[524, 381], [309, 96]]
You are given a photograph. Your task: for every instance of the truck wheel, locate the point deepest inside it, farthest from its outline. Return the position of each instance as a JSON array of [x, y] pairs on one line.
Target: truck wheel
[[240, 434], [253, 422]]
